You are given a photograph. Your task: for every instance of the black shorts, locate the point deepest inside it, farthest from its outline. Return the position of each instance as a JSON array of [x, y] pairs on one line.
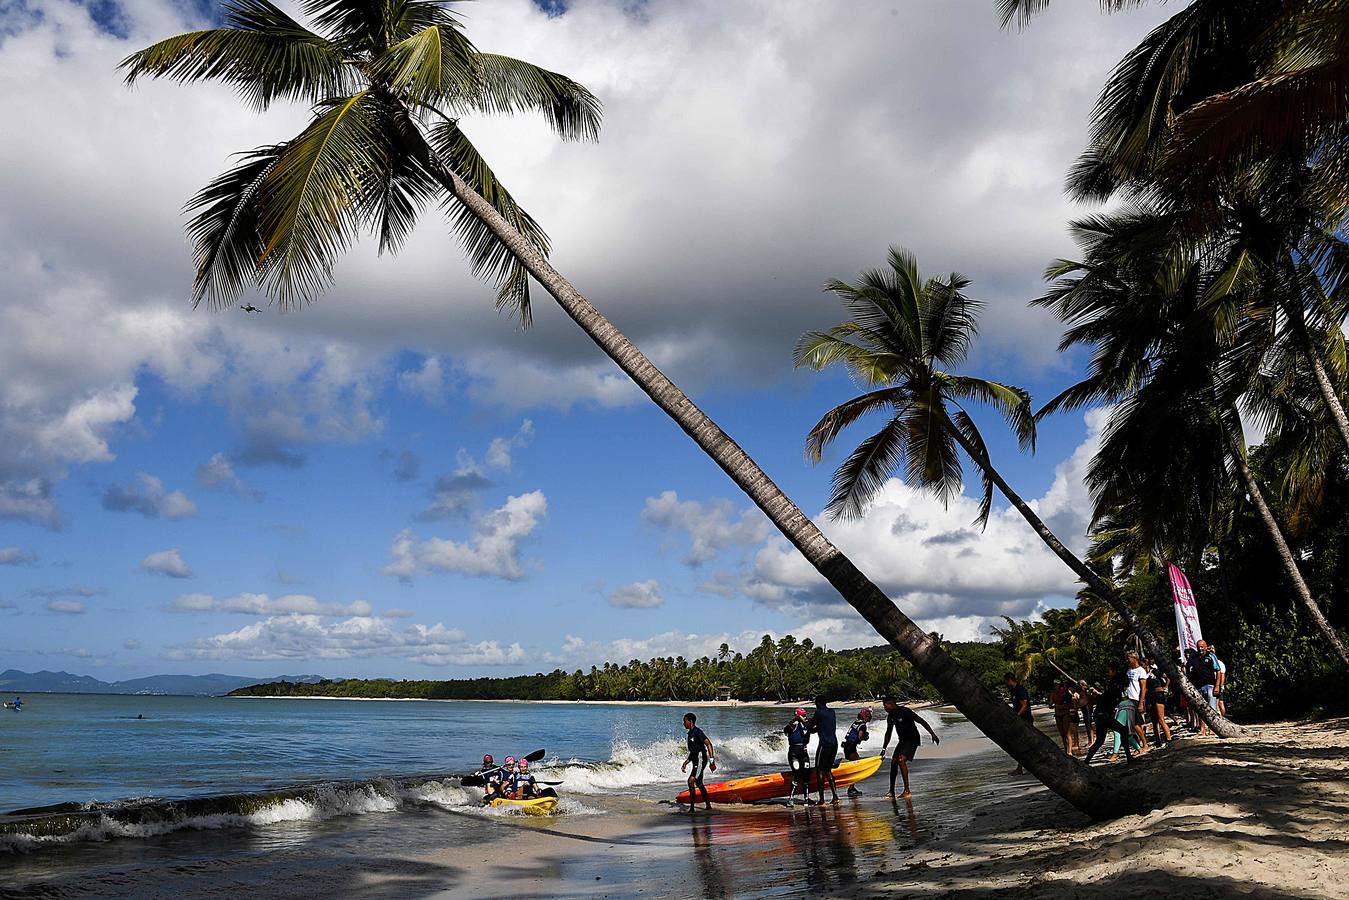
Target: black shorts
[[850, 751], [798, 760], [906, 749], [697, 767], [825, 756]]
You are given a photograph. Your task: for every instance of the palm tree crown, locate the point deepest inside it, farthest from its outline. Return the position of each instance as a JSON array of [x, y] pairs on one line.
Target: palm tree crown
[[388, 81], [903, 334]]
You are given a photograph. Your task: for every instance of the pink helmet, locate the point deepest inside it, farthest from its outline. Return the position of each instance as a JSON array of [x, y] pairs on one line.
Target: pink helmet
[[801, 711], [524, 765], [510, 760], [487, 759], [865, 714]]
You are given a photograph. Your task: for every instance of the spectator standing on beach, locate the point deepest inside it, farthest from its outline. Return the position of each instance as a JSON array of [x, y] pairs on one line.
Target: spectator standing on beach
[[1064, 701], [1220, 680], [1087, 709], [824, 725], [1107, 702], [1158, 691], [1137, 696], [1204, 674], [904, 723], [1021, 706]]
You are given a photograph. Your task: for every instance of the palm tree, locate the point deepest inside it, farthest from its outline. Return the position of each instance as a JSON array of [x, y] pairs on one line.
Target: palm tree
[[1174, 347], [903, 333], [388, 80]]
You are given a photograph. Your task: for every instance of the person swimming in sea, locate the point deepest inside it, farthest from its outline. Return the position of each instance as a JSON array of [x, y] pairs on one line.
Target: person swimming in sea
[[798, 757]]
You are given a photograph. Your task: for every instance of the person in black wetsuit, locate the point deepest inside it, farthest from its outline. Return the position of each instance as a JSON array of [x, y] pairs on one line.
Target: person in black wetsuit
[[824, 726], [798, 758], [1106, 701], [702, 755], [1021, 706], [857, 733], [904, 723]]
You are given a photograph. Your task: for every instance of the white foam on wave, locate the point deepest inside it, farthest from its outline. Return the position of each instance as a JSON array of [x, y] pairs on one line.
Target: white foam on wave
[[328, 802], [633, 766]]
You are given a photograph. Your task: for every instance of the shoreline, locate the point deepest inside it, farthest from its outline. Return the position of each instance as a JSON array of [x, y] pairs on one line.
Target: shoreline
[[697, 704]]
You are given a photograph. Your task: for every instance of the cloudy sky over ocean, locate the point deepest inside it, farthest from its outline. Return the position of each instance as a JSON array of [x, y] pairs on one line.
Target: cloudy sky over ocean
[[397, 479]]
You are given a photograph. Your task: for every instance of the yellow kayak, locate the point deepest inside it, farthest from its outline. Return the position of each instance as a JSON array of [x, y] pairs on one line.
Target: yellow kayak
[[539, 806]]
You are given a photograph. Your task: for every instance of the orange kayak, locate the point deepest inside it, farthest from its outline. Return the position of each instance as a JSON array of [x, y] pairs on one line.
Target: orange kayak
[[779, 784]]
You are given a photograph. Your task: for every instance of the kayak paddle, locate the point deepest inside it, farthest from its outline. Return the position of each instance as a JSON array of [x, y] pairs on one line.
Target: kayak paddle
[[476, 779]]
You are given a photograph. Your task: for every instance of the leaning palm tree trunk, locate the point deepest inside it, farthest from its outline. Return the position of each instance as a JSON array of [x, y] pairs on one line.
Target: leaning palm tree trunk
[[1084, 787], [1290, 566], [1222, 726], [1323, 382]]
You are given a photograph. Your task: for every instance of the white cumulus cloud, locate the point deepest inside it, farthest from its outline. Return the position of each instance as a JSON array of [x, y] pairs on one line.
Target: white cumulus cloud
[[638, 595], [711, 528], [147, 496], [492, 550], [167, 562], [264, 605]]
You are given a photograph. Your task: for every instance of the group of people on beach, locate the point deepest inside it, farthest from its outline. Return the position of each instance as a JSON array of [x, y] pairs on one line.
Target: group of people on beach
[[511, 780], [1132, 696], [900, 721]]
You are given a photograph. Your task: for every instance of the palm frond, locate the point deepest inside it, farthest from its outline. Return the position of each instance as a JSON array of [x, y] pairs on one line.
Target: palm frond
[[263, 52], [503, 85], [311, 200], [948, 319], [426, 66], [224, 229], [1013, 403], [871, 365], [488, 256], [840, 417], [865, 471], [965, 425]]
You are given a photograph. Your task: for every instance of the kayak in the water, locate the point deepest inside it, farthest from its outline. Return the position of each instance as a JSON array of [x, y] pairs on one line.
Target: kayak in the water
[[779, 784], [539, 806]]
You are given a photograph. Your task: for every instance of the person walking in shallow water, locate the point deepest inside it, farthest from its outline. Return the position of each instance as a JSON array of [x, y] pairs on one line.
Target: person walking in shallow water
[[824, 725], [702, 755], [903, 722], [798, 757]]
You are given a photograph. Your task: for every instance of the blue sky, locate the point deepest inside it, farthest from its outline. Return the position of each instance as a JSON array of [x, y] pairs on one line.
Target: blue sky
[[396, 480]]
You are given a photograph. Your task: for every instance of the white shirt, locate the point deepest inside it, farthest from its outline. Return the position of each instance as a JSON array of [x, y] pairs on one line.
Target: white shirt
[[1136, 678]]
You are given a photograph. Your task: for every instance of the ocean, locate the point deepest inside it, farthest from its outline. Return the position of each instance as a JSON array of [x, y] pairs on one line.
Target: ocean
[[172, 796]]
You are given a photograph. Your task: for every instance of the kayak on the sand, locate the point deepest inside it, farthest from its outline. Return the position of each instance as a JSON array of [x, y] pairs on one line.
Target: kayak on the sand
[[779, 784], [539, 806]]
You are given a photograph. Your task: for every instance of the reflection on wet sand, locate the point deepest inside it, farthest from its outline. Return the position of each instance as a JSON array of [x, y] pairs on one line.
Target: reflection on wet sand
[[816, 850]]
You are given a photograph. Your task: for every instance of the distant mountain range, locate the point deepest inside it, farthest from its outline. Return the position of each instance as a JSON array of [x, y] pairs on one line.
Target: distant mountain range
[[12, 681]]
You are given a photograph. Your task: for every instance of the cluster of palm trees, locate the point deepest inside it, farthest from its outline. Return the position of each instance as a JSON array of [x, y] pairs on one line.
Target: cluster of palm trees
[[388, 81]]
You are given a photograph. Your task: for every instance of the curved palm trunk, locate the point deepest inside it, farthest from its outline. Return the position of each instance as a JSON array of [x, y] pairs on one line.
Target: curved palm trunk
[[1323, 382], [1086, 788], [1223, 727], [1290, 566]]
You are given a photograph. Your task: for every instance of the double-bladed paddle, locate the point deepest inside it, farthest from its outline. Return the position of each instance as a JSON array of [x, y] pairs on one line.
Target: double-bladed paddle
[[477, 778]]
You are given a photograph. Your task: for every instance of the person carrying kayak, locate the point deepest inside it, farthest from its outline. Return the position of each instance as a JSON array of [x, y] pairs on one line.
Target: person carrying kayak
[[701, 755], [824, 725], [904, 723], [857, 733], [798, 758]]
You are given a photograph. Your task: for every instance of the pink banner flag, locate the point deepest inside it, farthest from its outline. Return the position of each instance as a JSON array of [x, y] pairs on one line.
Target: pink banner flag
[[1187, 614]]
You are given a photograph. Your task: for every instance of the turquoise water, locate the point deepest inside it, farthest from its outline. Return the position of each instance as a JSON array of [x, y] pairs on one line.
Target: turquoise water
[[93, 748]]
